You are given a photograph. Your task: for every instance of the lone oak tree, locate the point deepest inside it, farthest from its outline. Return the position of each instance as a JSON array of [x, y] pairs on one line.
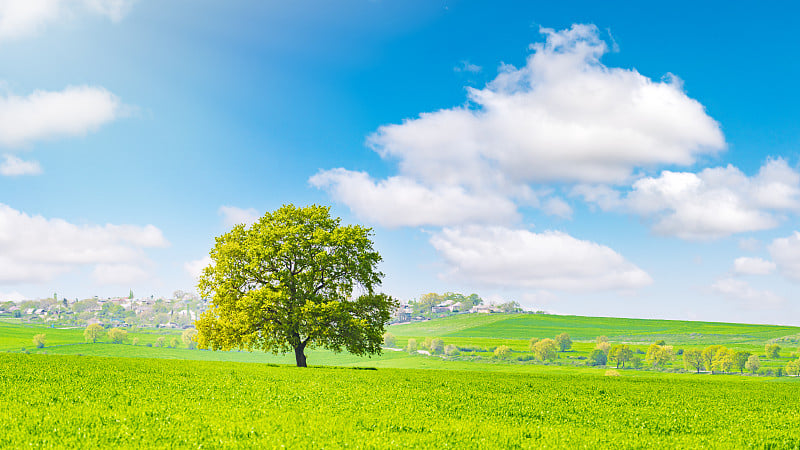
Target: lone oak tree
[[287, 283]]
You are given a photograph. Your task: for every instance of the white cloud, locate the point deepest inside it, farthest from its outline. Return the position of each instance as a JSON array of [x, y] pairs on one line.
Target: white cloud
[[231, 215], [786, 254], [752, 266], [749, 244], [401, 201], [195, 268], [12, 296], [22, 18], [467, 66], [742, 291], [562, 117], [713, 203], [35, 249], [506, 257], [13, 166], [116, 274], [555, 206], [74, 111]]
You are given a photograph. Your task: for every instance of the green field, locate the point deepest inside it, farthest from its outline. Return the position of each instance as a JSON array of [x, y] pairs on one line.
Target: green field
[[76, 394], [479, 332], [73, 401]]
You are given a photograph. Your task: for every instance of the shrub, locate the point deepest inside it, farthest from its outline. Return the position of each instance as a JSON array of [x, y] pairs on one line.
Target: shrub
[[532, 342], [502, 352], [117, 335], [436, 346], [189, 337], [173, 343], [149, 344], [451, 350], [39, 340], [135, 341], [598, 358], [564, 342], [772, 351], [411, 346], [160, 341], [389, 340]]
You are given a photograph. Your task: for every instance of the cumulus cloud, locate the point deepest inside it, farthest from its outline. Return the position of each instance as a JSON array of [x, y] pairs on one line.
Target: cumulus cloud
[[232, 215], [12, 296], [713, 203], [73, 111], [786, 254], [22, 18], [35, 248], [195, 268], [13, 167], [752, 266], [401, 201], [563, 117], [499, 256], [467, 66], [740, 290]]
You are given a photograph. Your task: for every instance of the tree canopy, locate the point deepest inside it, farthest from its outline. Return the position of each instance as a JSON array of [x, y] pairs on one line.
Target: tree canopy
[[288, 282]]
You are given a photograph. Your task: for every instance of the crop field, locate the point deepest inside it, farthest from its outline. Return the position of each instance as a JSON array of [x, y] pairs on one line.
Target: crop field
[[82, 401]]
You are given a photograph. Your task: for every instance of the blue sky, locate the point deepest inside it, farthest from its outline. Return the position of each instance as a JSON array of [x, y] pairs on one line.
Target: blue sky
[[586, 158]]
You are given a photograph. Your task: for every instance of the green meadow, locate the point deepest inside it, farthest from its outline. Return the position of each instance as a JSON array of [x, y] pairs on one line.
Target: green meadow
[[93, 402]]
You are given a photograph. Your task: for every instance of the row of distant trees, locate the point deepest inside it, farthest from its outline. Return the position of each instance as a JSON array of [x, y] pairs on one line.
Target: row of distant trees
[[95, 332], [714, 358]]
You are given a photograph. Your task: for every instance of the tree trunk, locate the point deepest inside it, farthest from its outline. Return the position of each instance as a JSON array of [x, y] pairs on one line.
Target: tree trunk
[[300, 356]]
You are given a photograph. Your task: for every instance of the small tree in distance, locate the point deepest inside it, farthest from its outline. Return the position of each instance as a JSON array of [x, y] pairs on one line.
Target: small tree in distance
[[411, 346], [621, 354], [389, 340], [502, 352], [564, 342], [117, 335], [532, 342], [772, 351], [546, 350], [693, 359], [189, 338], [93, 332], [39, 340], [753, 363]]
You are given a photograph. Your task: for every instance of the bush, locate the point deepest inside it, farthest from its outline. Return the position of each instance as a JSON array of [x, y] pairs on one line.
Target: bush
[[436, 346], [39, 340], [149, 344], [451, 350], [502, 352], [389, 340], [772, 351], [598, 358], [117, 335], [564, 342], [636, 362], [411, 347], [135, 341], [160, 341], [189, 337]]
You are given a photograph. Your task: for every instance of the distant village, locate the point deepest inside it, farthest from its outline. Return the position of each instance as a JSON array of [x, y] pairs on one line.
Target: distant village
[[180, 311], [434, 305], [184, 308]]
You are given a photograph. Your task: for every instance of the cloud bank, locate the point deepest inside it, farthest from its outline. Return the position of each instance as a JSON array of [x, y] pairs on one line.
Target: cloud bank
[[504, 257], [36, 249]]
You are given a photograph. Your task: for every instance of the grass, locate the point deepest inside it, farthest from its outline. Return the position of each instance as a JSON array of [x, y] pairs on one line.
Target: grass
[[89, 402]]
